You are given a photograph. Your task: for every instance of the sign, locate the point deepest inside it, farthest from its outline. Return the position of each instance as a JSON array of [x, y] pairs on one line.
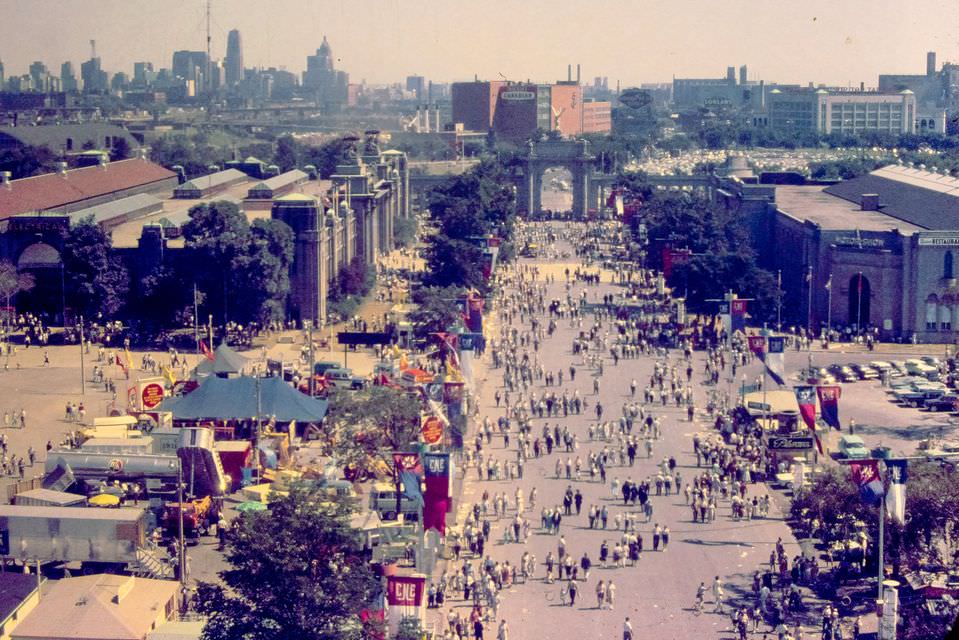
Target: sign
[[779, 443], [152, 395], [431, 429], [759, 406], [367, 338], [939, 241], [517, 96], [404, 599]]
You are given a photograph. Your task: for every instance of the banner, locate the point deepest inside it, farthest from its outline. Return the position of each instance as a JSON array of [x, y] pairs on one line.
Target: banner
[[737, 311], [757, 344], [431, 429], [866, 476], [404, 599], [806, 398], [409, 471], [897, 471], [775, 359], [439, 479], [829, 405], [205, 350], [474, 317], [725, 317]]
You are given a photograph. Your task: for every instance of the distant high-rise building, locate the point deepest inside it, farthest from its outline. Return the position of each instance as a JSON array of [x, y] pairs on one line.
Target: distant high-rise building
[[143, 74], [191, 66], [68, 77], [330, 87], [743, 75], [94, 78], [119, 81], [234, 59], [416, 84], [40, 77], [3, 78], [931, 63]]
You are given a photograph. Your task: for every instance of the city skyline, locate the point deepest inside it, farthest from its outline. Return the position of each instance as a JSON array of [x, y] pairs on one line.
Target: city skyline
[[825, 43]]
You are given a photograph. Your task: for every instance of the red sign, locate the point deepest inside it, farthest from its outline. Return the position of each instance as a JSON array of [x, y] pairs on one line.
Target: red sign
[[431, 430], [404, 591], [152, 395], [739, 307]]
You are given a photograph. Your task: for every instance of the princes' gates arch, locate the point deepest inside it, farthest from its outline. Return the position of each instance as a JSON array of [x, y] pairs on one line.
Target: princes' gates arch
[[571, 154]]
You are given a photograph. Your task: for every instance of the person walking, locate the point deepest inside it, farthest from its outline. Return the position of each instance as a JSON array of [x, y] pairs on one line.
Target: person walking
[[627, 629], [571, 590]]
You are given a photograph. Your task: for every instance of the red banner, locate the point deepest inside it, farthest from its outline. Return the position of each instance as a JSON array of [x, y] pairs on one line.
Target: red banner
[[404, 591], [757, 344], [739, 307]]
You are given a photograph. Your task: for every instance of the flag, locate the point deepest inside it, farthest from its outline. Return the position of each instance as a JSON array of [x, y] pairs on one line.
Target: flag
[[829, 283], [757, 344], [896, 500], [774, 359], [129, 357], [806, 399], [866, 476], [737, 311], [205, 350], [169, 375], [120, 363], [437, 467], [409, 471], [829, 405]]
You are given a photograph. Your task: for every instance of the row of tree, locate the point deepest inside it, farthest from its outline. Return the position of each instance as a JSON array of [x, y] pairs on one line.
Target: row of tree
[[722, 255]]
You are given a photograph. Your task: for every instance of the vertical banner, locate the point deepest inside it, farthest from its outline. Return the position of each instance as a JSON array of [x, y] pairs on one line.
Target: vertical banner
[[757, 344], [866, 476], [404, 599], [896, 500], [737, 312], [725, 317], [474, 310], [829, 405], [667, 261], [775, 359], [409, 471], [806, 398], [439, 480]]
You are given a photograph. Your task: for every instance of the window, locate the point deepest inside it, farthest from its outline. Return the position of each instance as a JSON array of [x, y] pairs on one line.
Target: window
[[947, 265], [69, 144], [945, 318], [932, 307]]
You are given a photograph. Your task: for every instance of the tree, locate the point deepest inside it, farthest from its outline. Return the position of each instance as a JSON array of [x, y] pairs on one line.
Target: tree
[[295, 571], [436, 309], [13, 282], [120, 150], [285, 156], [97, 282], [369, 425], [217, 237], [23, 162], [264, 271], [325, 157]]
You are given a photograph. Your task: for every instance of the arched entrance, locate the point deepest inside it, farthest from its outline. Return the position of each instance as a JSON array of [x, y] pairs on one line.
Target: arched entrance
[[572, 155], [556, 189], [43, 262], [859, 299]]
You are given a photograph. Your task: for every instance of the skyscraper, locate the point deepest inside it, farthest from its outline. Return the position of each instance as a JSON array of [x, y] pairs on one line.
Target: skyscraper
[[68, 77], [3, 78], [94, 78], [328, 85], [234, 59]]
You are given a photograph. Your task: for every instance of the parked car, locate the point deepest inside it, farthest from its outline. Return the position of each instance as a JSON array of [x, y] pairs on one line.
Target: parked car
[[344, 379], [853, 447], [865, 372], [932, 361], [945, 402], [917, 394], [824, 376], [917, 367], [843, 373]]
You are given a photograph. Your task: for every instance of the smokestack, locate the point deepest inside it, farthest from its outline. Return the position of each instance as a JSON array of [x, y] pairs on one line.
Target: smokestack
[[577, 73], [436, 123], [931, 63], [5, 180], [862, 86], [569, 73]]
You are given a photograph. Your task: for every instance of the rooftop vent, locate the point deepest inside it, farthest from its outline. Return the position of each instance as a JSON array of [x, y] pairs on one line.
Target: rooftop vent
[[62, 169], [869, 201], [5, 180]]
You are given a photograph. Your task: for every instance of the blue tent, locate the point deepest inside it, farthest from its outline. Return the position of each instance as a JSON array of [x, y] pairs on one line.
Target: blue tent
[[236, 399]]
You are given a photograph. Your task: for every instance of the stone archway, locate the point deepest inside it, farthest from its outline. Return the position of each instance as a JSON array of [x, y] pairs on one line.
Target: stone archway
[[44, 263], [860, 298], [572, 155]]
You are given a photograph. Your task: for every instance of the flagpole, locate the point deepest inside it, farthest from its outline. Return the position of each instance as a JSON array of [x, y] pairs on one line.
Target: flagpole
[[765, 367], [779, 300], [882, 556], [859, 303], [809, 309], [829, 308]]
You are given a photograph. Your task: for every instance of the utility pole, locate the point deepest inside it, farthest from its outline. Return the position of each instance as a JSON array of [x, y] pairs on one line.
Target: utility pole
[[83, 382], [809, 306], [181, 544], [196, 320], [829, 306], [779, 300], [209, 63], [309, 329]]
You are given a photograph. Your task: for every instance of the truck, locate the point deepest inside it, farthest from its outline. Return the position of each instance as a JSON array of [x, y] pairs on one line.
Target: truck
[[383, 502], [95, 537]]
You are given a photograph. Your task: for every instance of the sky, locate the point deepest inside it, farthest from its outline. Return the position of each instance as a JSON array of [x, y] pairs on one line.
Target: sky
[[836, 42]]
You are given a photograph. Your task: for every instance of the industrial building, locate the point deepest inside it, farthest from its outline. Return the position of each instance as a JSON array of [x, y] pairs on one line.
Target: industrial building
[[848, 112]]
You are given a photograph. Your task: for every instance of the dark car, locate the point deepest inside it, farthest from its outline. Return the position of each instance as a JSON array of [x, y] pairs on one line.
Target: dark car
[[865, 372], [945, 402]]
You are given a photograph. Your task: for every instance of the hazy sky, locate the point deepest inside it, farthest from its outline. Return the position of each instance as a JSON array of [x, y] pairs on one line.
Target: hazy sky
[[830, 41]]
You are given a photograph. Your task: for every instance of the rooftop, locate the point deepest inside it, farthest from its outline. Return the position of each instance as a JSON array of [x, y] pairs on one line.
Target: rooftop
[[831, 213], [105, 607], [14, 589], [914, 197], [52, 190]]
